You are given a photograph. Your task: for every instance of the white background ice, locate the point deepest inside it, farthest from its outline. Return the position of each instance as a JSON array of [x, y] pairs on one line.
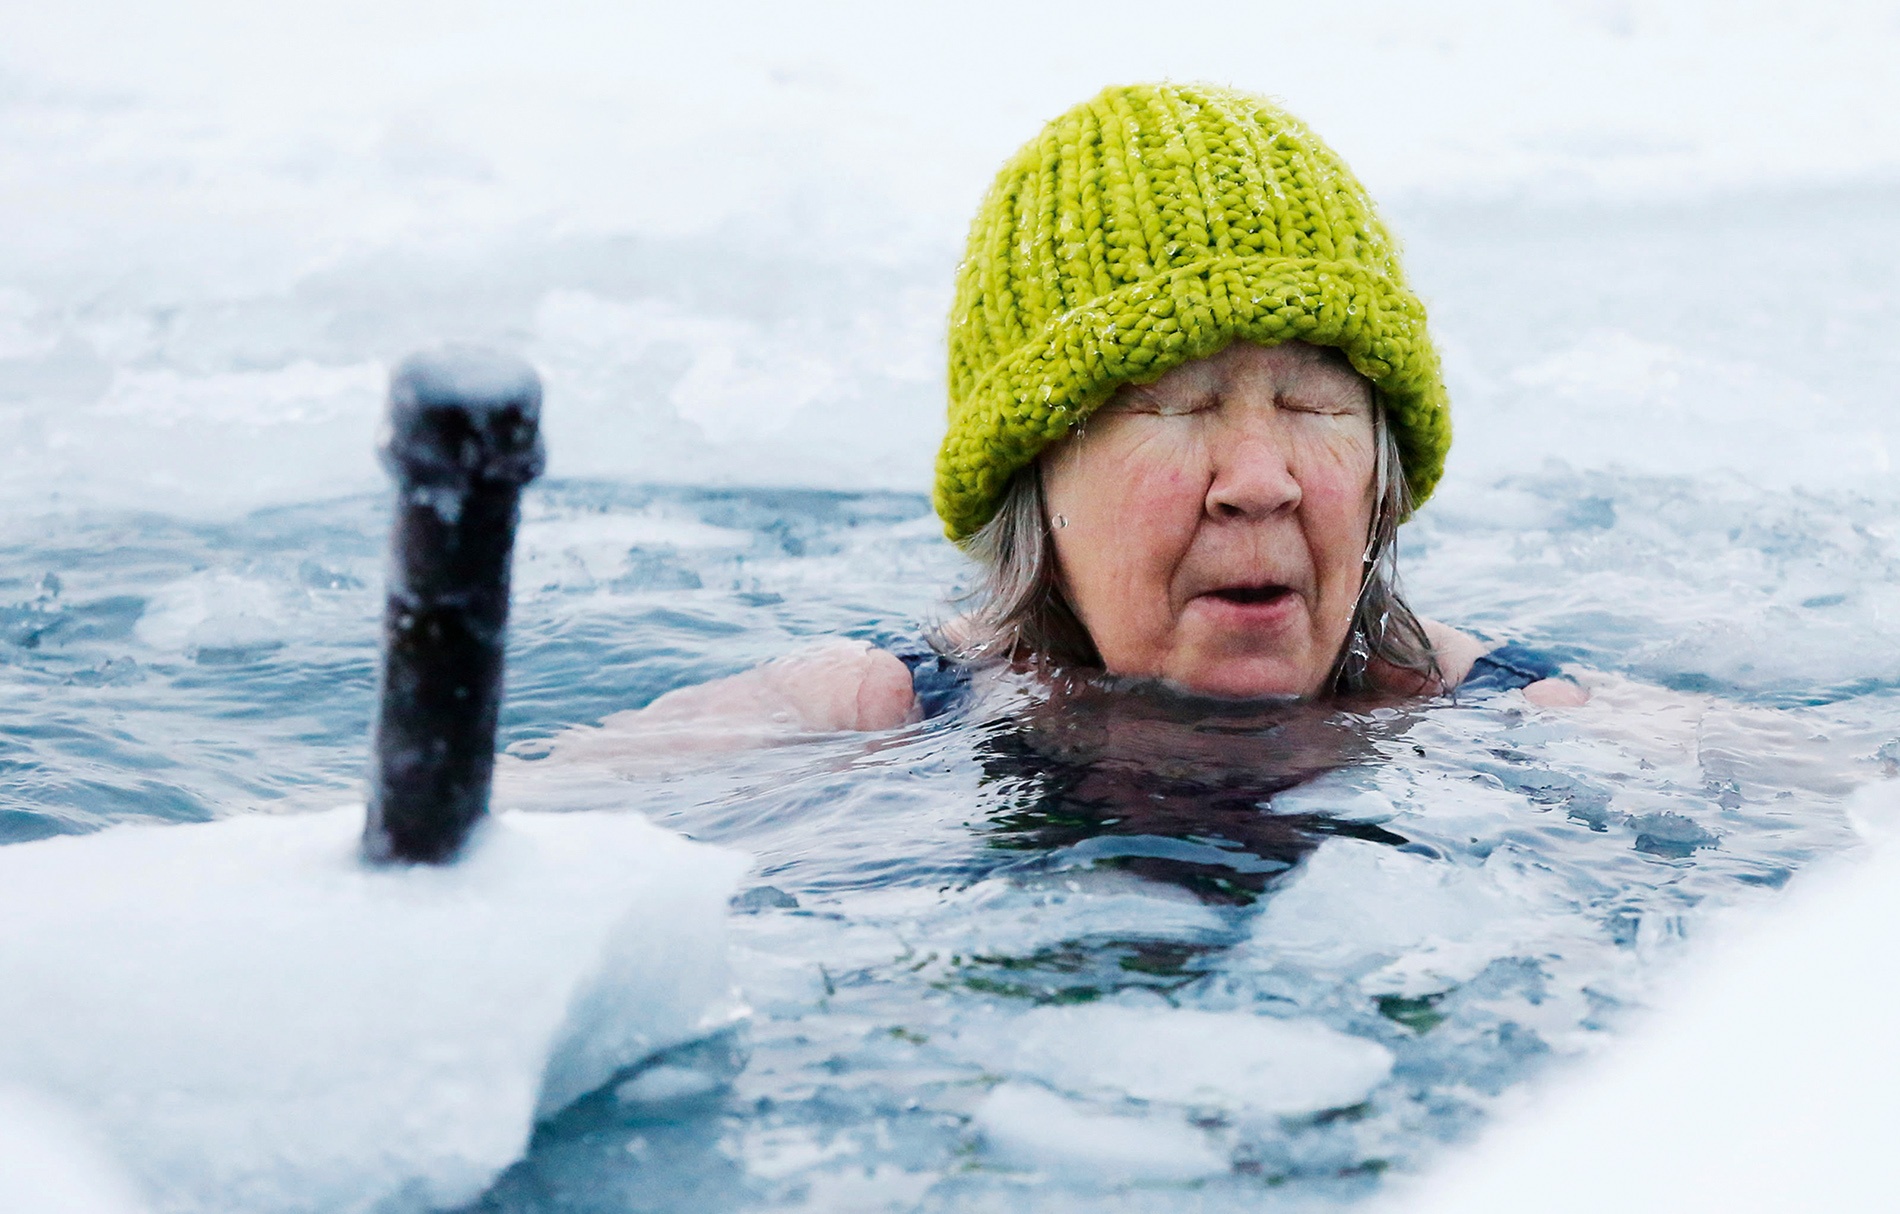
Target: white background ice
[[224, 221]]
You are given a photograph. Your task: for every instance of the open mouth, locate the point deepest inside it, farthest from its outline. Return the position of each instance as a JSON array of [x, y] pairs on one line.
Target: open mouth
[[1249, 596]]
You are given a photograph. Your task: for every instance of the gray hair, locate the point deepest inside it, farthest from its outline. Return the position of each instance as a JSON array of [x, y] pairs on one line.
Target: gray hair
[[1018, 610]]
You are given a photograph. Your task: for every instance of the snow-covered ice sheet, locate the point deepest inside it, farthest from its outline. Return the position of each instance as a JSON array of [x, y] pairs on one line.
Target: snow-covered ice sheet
[[252, 1019], [1766, 1081], [50, 1164]]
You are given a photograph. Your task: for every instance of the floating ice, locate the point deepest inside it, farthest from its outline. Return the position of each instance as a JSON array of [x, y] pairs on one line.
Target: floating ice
[[1356, 904], [1234, 1060], [589, 550], [213, 611], [255, 1020], [1024, 1126]]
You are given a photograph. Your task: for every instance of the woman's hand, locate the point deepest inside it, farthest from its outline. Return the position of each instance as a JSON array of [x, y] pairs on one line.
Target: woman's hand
[[1557, 693]]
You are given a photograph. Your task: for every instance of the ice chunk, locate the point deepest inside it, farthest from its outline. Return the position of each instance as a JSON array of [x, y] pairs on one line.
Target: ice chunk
[[1766, 1083], [1413, 925], [1233, 1060], [214, 611], [1029, 1127], [49, 1165], [581, 551], [257, 1021]]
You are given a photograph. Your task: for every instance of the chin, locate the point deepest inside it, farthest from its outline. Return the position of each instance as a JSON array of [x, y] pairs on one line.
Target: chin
[[1250, 679]]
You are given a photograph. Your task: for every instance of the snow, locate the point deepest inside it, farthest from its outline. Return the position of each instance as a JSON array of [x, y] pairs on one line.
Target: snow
[[253, 1019], [476, 379], [49, 1164], [1765, 1082]]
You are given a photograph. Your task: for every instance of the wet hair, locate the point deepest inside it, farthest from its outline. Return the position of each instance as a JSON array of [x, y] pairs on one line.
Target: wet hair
[[1018, 611]]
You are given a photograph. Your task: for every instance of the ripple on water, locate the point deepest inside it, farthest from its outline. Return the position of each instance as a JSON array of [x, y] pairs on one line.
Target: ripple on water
[[1081, 948]]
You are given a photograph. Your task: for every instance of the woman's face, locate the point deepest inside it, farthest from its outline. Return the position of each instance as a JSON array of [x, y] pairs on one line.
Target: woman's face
[[1210, 528]]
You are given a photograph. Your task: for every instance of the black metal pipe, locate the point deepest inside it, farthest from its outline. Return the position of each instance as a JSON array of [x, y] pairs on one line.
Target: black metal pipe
[[463, 437]]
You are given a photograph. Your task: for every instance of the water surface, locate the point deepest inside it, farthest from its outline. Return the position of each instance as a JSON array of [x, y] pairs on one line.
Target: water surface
[[1044, 953]]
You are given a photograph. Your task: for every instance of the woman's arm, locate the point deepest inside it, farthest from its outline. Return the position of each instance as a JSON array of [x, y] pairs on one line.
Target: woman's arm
[[832, 687]]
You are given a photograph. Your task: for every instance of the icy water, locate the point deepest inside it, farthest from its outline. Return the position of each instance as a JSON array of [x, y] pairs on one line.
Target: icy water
[[1074, 947]]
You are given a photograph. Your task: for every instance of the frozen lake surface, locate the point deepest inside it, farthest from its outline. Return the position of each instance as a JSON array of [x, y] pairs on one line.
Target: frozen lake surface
[[1070, 950]]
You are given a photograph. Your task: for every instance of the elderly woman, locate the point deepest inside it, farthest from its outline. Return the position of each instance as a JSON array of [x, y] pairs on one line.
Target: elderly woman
[[1191, 400]]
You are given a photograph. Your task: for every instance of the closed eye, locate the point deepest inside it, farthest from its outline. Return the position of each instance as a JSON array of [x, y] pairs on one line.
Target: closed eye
[[1139, 399], [1321, 407]]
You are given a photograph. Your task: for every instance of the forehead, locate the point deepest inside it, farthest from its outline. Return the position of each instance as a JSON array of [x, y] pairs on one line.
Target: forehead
[[1244, 362], [1293, 358]]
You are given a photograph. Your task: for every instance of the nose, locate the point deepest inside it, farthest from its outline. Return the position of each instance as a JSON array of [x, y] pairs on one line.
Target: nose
[[1252, 475]]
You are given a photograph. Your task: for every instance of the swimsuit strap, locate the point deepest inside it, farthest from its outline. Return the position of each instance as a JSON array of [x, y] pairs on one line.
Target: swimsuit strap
[[1510, 667], [940, 683]]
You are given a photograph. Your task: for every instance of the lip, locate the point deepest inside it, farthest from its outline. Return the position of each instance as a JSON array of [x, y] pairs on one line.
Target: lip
[[1250, 607]]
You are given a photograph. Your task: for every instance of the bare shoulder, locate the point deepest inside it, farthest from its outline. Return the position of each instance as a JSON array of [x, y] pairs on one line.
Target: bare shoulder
[[885, 697], [842, 685], [1456, 651], [957, 632]]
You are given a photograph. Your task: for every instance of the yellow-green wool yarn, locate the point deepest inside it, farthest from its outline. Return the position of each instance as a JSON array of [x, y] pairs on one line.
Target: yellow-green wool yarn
[[1151, 226]]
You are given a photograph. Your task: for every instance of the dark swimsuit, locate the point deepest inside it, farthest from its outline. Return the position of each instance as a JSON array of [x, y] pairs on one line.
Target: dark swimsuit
[[942, 684], [1511, 667]]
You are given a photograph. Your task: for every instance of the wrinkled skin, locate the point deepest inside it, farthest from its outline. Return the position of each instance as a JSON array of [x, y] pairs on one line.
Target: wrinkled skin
[[1210, 527]]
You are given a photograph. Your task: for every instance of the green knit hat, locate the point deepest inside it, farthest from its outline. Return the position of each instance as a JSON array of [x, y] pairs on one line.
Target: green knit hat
[[1150, 226]]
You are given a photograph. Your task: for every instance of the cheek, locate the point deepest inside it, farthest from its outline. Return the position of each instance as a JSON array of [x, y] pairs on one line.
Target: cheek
[[1131, 500], [1337, 490]]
